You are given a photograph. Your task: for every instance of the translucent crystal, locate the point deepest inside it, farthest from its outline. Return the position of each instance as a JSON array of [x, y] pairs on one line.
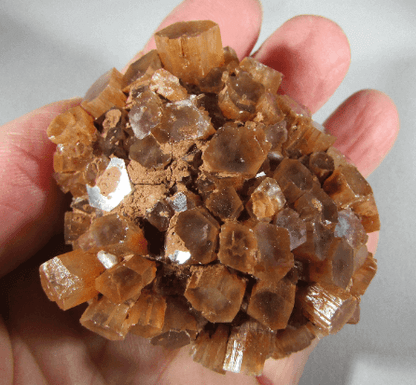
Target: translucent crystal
[[224, 203], [189, 50], [145, 114], [184, 120], [289, 219], [262, 74], [266, 200], [216, 293], [236, 150], [105, 93], [148, 315], [247, 349], [327, 306], [294, 179], [69, 278], [347, 186], [209, 350], [167, 85], [238, 247], [114, 234], [126, 279], [274, 258], [148, 153], [192, 238], [107, 319], [271, 303], [145, 66]]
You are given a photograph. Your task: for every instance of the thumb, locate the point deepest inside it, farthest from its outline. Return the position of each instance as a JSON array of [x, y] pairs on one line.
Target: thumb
[[30, 202]]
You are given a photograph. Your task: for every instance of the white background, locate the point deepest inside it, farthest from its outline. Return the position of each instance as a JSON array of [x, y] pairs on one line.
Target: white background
[[51, 50]]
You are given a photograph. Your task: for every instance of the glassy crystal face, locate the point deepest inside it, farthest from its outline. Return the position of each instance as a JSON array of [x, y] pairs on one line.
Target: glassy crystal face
[[208, 210]]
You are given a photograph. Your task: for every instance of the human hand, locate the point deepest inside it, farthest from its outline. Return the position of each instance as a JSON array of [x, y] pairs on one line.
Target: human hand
[[38, 342]]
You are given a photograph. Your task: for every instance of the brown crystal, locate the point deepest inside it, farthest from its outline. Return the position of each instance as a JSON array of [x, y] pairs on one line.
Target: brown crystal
[[148, 315], [271, 303], [126, 279], [238, 247], [289, 219], [327, 306], [192, 238], [266, 200], [189, 50], [247, 349], [236, 150], [363, 276], [143, 67], [292, 339], [69, 278], [216, 293], [224, 203], [105, 93], [274, 258], [209, 350], [107, 319], [294, 179], [208, 209]]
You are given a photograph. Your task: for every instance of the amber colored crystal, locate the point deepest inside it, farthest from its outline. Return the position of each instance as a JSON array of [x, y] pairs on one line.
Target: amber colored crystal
[[293, 178], [338, 267], [144, 67], [209, 349], [238, 99], [347, 186], [69, 278], [274, 258], [146, 113], [266, 200], [262, 74], [184, 120], [238, 247], [115, 234], [148, 315], [289, 219], [321, 164], [327, 306], [126, 279], [216, 293], [148, 153], [247, 349], [368, 213], [192, 238], [236, 150], [167, 85], [271, 303], [355, 318], [208, 208], [72, 127], [75, 224], [180, 326], [105, 93], [224, 203], [107, 319], [363, 276], [291, 340], [189, 50]]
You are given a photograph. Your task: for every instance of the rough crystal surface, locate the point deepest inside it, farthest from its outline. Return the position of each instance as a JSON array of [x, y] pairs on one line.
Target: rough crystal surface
[[208, 209]]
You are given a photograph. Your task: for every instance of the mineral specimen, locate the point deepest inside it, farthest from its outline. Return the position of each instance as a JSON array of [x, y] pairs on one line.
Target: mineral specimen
[[208, 209]]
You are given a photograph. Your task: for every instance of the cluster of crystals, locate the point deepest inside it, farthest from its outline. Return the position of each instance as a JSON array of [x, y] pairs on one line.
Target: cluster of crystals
[[208, 209]]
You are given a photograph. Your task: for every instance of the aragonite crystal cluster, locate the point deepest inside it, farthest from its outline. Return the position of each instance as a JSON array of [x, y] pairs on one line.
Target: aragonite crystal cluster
[[208, 209]]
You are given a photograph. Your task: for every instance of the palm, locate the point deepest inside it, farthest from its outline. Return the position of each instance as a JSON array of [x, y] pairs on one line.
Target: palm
[[42, 344]]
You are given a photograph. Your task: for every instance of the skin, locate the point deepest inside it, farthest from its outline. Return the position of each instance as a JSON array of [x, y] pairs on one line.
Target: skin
[[39, 343]]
